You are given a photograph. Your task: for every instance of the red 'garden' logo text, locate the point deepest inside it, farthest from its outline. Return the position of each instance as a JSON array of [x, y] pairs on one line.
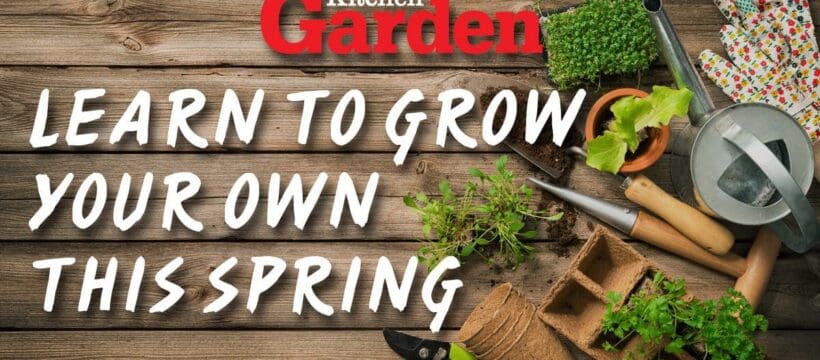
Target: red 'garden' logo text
[[346, 31]]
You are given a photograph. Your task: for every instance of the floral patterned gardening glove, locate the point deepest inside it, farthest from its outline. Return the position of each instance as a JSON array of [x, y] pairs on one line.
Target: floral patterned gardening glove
[[774, 58]]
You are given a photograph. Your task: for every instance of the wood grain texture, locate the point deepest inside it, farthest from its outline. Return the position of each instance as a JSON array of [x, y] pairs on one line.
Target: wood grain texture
[[218, 172], [141, 10], [153, 33], [659, 233], [212, 45], [279, 120], [390, 218], [288, 344], [788, 303]]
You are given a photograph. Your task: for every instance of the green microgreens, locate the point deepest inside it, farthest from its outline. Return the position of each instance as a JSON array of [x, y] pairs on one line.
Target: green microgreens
[[600, 37]]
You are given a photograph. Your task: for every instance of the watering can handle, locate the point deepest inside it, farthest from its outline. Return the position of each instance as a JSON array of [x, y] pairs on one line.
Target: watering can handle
[[791, 193]]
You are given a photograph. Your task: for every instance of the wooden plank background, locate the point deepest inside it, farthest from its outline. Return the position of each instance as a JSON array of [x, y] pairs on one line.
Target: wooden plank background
[[161, 46]]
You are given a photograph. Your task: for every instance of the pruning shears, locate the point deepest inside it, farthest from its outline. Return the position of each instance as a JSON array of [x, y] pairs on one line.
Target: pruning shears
[[414, 348]]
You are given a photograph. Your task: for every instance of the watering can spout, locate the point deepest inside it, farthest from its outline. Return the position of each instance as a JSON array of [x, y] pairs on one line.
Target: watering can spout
[[678, 61]]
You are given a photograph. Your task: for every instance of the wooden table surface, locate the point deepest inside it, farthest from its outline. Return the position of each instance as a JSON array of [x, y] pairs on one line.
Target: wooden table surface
[[213, 45]]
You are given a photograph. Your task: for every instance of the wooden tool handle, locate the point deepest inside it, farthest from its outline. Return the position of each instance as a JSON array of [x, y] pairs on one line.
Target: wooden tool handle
[[658, 233], [702, 229], [759, 265]]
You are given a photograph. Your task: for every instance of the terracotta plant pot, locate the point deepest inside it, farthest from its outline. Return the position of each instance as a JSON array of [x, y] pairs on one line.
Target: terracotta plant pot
[[650, 149]]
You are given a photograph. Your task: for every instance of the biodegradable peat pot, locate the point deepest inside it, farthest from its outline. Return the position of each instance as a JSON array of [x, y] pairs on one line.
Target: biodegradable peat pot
[[505, 326], [650, 149], [575, 305]]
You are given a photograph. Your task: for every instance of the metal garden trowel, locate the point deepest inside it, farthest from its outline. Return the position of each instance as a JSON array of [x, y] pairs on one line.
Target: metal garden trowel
[[644, 226]]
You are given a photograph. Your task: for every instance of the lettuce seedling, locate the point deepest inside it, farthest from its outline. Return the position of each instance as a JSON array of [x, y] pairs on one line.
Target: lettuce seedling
[[607, 152]]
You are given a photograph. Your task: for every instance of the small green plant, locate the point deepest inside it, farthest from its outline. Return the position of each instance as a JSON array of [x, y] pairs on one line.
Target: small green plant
[[607, 152], [489, 219], [662, 314], [600, 37]]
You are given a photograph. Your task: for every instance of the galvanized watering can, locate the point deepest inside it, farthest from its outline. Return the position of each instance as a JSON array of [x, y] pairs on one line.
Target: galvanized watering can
[[750, 164]]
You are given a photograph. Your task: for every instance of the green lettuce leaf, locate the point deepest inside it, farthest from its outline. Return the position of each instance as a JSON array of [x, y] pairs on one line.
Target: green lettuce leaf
[[632, 114], [607, 152], [626, 110], [665, 103]]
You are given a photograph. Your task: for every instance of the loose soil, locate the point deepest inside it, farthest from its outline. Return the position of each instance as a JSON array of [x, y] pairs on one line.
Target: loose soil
[[543, 148], [562, 232]]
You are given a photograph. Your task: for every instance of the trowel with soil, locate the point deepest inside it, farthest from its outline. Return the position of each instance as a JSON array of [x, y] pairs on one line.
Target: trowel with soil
[[543, 153], [556, 162], [646, 227]]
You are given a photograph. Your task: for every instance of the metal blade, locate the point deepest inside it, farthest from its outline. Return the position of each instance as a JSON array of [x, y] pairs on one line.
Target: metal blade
[[619, 217], [551, 171], [415, 348], [577, 150]]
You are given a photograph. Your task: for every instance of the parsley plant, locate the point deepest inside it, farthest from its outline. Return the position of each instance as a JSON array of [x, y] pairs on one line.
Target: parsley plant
[[663, 314]]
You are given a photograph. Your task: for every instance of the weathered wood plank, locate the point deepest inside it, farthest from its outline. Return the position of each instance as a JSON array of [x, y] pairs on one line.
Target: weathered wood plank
[[190, 10], [789, 302], [324, 344], [346, 344], [216, 43], [790, 344], [389, 219], [212, 10], [150, 33], [279, 120], [218, 172]]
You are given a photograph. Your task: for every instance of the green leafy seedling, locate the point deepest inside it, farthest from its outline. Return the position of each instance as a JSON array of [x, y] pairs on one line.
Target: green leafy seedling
[[490, 219], [607, 152], [663, 315]]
